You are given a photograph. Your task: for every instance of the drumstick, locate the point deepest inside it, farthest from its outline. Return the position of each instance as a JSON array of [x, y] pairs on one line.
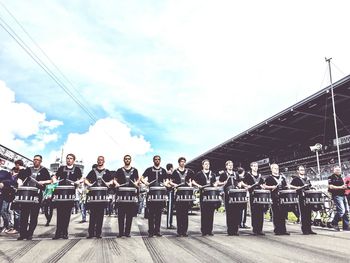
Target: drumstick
[[180, 185], [152, 181], [204, 186], [40, 186]]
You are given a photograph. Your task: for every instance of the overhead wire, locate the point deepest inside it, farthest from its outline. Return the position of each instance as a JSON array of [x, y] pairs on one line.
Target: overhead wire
[[52, 75]]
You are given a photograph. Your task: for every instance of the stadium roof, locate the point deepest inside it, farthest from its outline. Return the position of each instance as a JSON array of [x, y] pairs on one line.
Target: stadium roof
[[289, 133]]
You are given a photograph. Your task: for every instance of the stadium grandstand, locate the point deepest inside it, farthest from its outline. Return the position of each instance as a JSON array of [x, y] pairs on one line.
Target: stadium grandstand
[[286, 137]]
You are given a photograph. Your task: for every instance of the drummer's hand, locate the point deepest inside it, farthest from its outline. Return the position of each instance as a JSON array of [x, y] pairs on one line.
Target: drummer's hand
[[116, 184], [41, 182], [344, 186], [1, 185]]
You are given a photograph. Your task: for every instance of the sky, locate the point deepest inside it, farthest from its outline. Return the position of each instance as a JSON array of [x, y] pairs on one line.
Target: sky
[[167, 77]]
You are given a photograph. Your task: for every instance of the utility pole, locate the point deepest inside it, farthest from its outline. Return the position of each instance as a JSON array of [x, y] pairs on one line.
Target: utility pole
[[328, 60]]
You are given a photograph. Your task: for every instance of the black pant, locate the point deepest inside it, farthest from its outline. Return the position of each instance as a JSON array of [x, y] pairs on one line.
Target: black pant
[[48, 210], [182, 217], [243, 215], [125, 214], [233, 217], [207, 217], [32, 212], [279, 218], [257, 216], [154, 217], [170, 209], [64, 211], [96, 220], [305, 212]]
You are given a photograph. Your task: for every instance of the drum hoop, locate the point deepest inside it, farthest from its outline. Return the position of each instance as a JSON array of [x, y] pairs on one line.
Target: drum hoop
[[287, 191], [155, 188], [207, 189], [66, 187], [98, 188]]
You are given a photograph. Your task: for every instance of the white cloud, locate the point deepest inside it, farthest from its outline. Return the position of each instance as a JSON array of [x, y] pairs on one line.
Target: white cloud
[[202, 70], [110, 138], [23, 128]]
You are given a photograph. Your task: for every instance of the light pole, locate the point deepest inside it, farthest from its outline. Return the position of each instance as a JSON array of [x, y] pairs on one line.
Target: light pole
[[315, 148]]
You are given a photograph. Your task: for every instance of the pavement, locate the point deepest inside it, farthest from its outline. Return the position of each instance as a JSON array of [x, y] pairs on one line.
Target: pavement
[[328, 246]]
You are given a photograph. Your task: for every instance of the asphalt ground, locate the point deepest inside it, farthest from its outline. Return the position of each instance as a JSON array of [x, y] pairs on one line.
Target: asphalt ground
[[327, 246]]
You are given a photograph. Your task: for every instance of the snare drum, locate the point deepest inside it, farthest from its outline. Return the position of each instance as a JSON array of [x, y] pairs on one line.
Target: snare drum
[[313, 197], [262, 197], [64, 193], [288, 197], [97, 194], [157, 194], [27, 194], [237, 196], [211, 194], [185, 194], [126, 195]]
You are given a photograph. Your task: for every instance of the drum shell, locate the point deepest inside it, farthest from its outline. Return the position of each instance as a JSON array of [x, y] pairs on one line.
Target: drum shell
[[157, 194], [262, 197], [185, 194], [27, 195], [288, 197], [211, 194], [64, 193], [126, 195], [313, 197], [237, 196], [97, 194]]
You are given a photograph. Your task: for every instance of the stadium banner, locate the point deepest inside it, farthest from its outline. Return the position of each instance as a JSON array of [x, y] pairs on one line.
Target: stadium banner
[[263, 161], [342, 140]]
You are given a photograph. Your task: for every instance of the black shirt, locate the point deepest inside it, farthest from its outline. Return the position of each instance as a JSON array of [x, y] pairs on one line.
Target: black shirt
[[182, 177], [64, 173], [205, 178], [251, 179], [336, 180], [99, 177], [232, 182], [152, 173], [298, 181], [276, 180], [41, 174], [123, 175]]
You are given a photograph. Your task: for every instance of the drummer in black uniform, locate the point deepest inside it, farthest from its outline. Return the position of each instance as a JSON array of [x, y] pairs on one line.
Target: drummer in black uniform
[[35, 176], [204, 178], [156, 176], [255, 181], [276, 182], [302, 183], [98, 177], [230, 179], [182, 177], [126, 176], [68, 174]]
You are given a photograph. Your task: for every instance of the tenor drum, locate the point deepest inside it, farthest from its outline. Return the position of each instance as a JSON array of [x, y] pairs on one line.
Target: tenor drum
[[64, 193], [288, 197], [26, 194], [262, 197], [237, 196], [185, 194], [126, 195], [157, 194], [314, 197], [211, 194], [97, 194]]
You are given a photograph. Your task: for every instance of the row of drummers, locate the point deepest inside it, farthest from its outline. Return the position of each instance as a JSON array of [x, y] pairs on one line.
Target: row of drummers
[[264, 191], [234, 187]]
